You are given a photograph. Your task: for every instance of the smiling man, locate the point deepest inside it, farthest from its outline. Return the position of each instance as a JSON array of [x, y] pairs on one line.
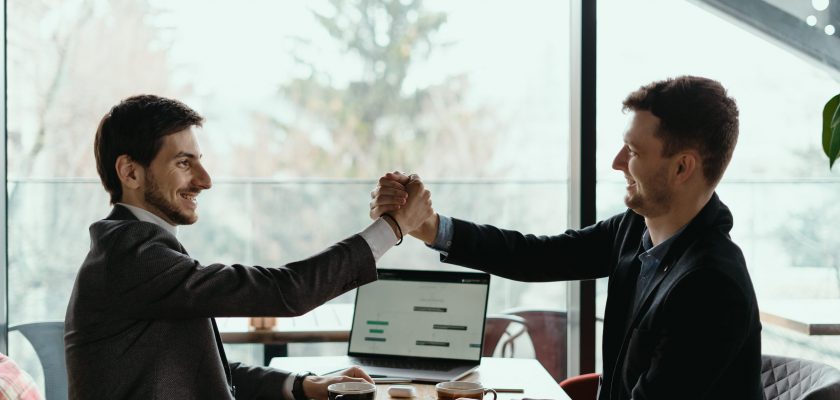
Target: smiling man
[[140, 324], [681, 320]]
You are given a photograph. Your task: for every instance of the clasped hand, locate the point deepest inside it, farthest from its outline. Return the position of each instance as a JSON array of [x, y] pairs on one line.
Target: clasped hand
[[405, 198]]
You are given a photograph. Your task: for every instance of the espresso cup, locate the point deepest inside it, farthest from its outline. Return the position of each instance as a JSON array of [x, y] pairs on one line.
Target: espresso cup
[[352, 391], [453, 390]]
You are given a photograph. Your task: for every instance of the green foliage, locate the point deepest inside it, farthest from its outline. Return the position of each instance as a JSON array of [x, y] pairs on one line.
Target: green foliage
[[831, 130]]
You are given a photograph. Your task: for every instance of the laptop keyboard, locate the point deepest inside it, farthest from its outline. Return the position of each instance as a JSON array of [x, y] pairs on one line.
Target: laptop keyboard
[[430, 365]]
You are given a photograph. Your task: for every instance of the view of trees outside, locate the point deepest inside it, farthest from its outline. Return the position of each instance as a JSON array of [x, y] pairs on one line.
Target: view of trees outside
[[307, 104], [778, 186]]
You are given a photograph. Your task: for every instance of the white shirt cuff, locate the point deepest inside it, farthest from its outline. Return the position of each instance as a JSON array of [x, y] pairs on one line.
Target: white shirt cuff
[[287, 387], [380, 237]]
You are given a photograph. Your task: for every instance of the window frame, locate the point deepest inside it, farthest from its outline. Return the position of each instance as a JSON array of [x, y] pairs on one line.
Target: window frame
[[581, 295]]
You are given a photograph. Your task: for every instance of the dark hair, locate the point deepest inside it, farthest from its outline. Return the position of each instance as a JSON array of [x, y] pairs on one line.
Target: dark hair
[[136, 127], [694, 113]]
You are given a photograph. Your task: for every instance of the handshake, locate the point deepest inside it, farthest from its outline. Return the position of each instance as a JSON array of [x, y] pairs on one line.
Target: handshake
[[409, 204]]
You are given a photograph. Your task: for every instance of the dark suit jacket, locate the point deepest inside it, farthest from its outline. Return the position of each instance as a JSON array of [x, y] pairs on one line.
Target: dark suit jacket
[[140, 320], [696, 334]]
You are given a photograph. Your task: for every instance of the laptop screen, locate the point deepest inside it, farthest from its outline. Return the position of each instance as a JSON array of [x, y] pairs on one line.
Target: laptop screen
[[433, 314]]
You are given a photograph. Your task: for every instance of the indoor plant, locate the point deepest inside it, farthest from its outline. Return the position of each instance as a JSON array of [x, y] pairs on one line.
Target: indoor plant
[[831, 130]]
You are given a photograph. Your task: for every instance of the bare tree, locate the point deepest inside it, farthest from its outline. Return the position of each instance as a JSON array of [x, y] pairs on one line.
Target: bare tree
[[69, 62]]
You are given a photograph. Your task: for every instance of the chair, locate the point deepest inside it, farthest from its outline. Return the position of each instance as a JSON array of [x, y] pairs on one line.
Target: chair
[[502, 328], [547, 329], [582, 387], [47, 338], [786, 378]]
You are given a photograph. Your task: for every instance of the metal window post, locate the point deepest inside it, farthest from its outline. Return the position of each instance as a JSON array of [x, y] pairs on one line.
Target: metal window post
[[581, 295]]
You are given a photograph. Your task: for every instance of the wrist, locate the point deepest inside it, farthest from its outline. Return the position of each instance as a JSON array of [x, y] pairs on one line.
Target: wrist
[[395, 226], [427, 231], [392, 224], [300, 386]]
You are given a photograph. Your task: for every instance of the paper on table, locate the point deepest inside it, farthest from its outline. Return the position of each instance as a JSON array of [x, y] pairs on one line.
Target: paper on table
[[316, 365]]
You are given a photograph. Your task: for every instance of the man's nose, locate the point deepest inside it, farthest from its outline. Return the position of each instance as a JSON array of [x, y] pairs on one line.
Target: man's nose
[[202, 178], [620, 161]]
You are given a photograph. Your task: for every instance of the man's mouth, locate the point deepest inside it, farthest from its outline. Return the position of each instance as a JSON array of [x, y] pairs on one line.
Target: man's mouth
[[189, 196]]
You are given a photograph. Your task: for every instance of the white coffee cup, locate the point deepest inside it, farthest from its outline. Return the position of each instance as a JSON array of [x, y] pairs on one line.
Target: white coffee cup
[[456, 389], [352, 391]]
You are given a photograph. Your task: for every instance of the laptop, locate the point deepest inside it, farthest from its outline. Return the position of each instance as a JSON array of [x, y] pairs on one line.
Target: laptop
[[423, 326]]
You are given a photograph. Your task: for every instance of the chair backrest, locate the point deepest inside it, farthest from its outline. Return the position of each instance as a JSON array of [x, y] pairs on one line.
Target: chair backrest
[[547, 329], [582, 387], [47, 338], [786, 378], [502, 328]]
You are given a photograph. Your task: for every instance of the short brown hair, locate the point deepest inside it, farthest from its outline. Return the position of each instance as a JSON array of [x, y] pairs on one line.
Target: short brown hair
[[694, 113], [136, 127]]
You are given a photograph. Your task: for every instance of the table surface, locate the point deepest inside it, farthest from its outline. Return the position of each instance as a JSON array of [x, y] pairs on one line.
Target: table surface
[[497, 373], [327, 323], [807, 316]]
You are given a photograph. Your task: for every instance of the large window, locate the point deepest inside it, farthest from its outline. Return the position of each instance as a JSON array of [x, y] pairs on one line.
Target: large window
[[778, 186], [307, 103]]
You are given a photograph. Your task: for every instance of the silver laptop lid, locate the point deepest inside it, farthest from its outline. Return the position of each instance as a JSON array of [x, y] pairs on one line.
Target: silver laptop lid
[[425, 314]]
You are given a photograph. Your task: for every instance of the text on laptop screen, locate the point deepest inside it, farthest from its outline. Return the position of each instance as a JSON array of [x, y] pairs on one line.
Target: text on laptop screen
[[403, 314]]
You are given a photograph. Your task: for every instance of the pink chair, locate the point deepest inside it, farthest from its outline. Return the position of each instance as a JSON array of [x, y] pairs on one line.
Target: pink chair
[[547, 329], [582, 387], [502, 328]]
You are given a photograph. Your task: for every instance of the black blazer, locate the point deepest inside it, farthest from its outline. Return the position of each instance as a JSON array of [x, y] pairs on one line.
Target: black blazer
[[140, 320], [696, 334]]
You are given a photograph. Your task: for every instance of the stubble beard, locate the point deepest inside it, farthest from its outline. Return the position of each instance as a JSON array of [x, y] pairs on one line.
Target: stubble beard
[[155, 198], [656, 200]]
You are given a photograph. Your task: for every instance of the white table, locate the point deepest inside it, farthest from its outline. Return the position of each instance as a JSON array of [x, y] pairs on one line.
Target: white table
[[807, 316], [498, 373]]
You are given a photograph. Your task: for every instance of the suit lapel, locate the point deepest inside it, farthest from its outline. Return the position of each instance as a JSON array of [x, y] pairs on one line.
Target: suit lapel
[[706, 219], [222, 352], [120, 213], [642, 305], [702, 221]]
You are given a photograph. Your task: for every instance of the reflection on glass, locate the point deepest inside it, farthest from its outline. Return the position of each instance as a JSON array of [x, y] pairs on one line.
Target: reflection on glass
[[307, 103]]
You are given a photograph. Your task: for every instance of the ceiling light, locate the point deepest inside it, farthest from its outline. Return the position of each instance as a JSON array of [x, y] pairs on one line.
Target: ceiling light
[[819, 5]]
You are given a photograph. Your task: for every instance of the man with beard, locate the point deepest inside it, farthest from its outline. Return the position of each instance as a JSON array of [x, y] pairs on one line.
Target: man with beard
[[681, 320], [140, 324]]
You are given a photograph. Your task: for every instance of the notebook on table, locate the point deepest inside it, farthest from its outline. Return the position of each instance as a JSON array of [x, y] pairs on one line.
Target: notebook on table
[[426, 326]]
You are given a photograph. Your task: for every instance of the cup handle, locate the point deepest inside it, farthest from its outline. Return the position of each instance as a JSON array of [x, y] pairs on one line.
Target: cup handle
[[485, 393]]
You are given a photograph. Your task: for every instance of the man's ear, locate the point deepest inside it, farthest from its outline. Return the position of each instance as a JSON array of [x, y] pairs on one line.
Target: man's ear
[[129, 172], [687, 164]]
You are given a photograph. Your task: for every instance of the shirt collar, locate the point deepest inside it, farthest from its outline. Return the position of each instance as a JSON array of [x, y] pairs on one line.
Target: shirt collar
[[146, 216], [658, 252]]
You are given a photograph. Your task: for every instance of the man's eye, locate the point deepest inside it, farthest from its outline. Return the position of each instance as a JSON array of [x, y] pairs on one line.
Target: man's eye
[[183, 163]]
